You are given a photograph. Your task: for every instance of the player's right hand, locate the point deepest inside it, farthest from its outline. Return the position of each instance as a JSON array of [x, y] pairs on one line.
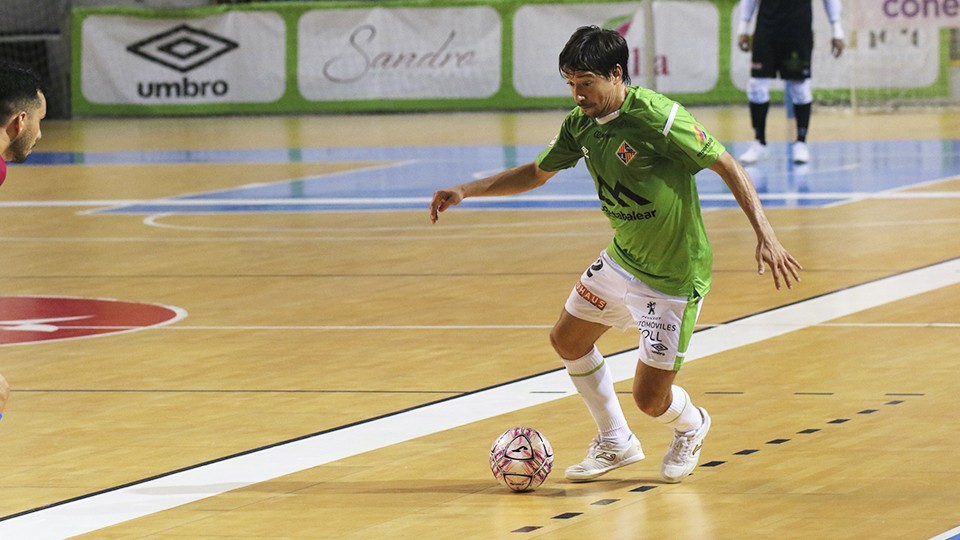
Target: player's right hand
[[443, 199], [743, 41], [836, 47]]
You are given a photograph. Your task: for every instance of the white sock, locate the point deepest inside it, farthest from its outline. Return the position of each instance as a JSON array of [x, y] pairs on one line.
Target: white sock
[[595, 384], [681, 415]]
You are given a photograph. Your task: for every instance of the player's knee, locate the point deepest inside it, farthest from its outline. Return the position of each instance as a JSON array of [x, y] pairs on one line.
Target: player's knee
[[800, 91], [560, 344], [758, 90], [567, 348], [649, 403]]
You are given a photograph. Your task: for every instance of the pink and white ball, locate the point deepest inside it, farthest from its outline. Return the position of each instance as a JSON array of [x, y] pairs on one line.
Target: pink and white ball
[[521, 459]]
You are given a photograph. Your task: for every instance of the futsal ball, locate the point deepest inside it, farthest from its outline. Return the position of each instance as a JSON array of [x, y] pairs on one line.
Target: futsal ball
[[521, 458]]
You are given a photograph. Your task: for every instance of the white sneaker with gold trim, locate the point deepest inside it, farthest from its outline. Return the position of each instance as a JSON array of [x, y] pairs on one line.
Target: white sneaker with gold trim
[[603, 457], [684, 453]]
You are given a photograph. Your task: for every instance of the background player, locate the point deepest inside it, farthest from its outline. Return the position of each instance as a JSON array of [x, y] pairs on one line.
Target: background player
[[642, 150], [782, 44], [22, 106]]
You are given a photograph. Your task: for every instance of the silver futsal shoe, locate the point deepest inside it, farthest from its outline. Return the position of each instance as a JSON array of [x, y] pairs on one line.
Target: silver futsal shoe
[[603, 457], [684, 453]]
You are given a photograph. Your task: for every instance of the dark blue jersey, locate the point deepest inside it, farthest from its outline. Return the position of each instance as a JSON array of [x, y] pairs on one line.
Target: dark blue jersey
[[785, 15]]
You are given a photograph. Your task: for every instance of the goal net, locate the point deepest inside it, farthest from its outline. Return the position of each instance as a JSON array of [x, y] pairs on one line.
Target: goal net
[[897, 53], [32, 34]]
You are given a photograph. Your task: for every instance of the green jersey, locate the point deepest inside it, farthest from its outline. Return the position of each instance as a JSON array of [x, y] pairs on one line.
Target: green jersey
[[643, 163]]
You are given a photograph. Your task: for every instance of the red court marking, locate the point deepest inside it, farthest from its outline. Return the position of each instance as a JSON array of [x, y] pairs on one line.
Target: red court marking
[[31, 319]]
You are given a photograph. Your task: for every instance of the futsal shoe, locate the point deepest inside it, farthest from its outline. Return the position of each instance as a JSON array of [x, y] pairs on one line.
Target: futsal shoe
[[684, 453], [755, 152], [800, 152], [603, 457]]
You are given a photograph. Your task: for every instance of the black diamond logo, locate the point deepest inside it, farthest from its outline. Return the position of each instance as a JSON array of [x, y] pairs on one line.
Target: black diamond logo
[[183, 48]]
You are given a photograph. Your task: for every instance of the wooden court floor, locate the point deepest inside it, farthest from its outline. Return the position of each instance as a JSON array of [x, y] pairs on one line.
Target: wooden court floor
[[838, 423]]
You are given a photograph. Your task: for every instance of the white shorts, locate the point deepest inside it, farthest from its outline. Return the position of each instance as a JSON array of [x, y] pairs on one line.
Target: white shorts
[[609, 295]]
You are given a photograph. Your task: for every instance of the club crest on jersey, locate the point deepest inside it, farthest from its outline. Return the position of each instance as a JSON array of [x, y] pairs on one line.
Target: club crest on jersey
[[625, 153]]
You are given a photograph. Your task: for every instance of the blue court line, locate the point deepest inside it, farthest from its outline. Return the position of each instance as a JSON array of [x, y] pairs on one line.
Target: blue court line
[[402, 178], [272, 156]]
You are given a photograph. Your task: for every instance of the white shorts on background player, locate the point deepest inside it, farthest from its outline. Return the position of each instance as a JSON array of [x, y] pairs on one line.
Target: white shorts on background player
[[609, 295]]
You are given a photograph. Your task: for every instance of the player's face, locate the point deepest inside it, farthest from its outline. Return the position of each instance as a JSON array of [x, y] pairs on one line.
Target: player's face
[[23, 143], [595, 94]]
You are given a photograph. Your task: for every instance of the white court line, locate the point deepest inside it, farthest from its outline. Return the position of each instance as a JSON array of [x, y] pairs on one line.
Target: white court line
[[952, 534], [154, 221], [207, 480], [443, 328], [350, 201], [431, 232]]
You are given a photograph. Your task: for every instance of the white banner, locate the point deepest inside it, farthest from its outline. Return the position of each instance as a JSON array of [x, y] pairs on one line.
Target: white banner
[[402, 53], [235, 57], [873, 57], [930, 14], [686, 37]]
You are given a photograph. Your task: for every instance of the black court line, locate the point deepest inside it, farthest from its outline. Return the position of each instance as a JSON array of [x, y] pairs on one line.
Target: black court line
[[428, 404], [709, 464], [235, 391]]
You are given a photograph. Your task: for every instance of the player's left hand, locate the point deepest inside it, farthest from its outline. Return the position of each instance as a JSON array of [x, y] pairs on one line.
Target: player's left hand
[[743, 41]]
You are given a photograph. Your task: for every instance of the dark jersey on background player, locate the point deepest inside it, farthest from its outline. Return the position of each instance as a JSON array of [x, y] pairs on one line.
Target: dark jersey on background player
[[791, 16]]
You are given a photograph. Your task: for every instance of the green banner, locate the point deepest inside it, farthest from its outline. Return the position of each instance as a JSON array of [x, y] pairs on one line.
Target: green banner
[[304, 57]]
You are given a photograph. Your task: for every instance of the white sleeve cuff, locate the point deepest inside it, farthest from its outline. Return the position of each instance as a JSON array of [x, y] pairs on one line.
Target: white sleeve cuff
[[742, 28], [837, 30]]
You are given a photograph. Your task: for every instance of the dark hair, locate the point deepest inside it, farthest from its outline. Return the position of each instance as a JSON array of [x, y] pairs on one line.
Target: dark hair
[[19, 88], [596, 50]]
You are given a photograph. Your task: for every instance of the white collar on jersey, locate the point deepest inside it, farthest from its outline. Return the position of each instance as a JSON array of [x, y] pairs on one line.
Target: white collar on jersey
[[608, 118]]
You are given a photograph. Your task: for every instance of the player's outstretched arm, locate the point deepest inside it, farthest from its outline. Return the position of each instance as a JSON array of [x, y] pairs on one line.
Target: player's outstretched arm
[[770, 252], [509, 182]]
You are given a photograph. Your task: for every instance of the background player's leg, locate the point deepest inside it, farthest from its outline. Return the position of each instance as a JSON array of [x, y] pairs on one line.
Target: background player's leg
[[802, 96], [758, 93]]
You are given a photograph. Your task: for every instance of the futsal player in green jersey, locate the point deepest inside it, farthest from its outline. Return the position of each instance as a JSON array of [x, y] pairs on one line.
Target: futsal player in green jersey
[[642, 150]]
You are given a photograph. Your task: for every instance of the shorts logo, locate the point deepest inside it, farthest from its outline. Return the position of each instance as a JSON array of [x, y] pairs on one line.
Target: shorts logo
[[585, 293], [626, 153]]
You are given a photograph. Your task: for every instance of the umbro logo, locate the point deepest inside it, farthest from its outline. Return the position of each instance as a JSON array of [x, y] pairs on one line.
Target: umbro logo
[[183, 48]]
